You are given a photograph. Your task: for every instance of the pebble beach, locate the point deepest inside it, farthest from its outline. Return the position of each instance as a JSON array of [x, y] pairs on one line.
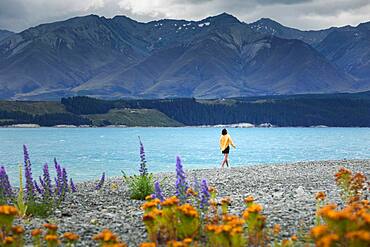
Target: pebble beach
[[286, 191]]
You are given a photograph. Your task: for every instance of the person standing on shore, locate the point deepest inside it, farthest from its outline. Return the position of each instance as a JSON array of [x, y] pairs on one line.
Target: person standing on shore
[[225, 143]]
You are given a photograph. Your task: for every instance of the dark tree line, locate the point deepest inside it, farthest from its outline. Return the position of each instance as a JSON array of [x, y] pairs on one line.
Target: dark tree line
[[306, 110], [50, 119]]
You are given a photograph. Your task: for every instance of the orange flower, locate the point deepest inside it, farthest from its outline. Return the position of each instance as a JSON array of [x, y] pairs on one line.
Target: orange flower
[[36, 232], [170, 201], [246, 214], [212, 189], [294, 238], [149, 197], [175, 243], [249, 199], [320, 196], [360, 234], [151, 204], [8, 240], [51, 238], [8, 210], [17, 230], [327, 240], [51, 227], [148, 244], [71, 236], [188, 210], [226, 200], [254, 208], [106, 236], [276, 229], [187, 240], [318, 231], [191, 192]]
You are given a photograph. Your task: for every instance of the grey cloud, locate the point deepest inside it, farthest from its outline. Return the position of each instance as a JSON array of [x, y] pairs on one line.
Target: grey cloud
[[17, 15], [287, 2]]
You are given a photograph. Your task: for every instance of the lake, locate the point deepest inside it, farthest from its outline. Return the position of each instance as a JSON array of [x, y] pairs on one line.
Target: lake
[[87, 152]]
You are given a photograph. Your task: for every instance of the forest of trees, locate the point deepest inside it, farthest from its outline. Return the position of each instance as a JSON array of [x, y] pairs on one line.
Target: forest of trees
[[341, 110], [51, 119]]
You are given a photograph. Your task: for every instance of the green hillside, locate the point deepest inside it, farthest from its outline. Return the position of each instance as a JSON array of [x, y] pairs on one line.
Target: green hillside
[[133, 117]]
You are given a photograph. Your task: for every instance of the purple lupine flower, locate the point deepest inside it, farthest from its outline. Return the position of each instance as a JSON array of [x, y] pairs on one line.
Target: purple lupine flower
[[46, 181], [28, 173], [59, 178], [73, 187], [6, 188], [181, 183], [143, 167], [205, 195], [158, 191], [64, 180], [37, 187], [101, 182]]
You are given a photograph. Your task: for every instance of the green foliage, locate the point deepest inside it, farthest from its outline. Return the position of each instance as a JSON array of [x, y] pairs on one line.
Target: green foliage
[[20, 204], [133, 117], [139, 186], [39, 209]]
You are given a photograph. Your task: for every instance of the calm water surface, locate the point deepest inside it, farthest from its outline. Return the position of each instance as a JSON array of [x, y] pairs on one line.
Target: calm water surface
[[86, 153]]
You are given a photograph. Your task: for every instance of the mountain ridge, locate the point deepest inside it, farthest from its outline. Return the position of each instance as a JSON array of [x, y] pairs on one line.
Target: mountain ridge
[[218, 56]]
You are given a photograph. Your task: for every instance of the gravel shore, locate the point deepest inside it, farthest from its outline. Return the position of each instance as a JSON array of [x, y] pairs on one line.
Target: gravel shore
[[286, 192]]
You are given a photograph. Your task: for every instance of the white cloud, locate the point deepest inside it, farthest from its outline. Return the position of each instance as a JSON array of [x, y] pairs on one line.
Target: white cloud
[[305, 14]]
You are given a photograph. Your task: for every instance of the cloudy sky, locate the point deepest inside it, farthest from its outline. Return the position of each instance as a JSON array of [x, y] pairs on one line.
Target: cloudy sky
[[17, 15]]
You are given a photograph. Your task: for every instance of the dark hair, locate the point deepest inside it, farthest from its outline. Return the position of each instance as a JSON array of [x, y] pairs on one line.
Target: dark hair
[[224, 132]]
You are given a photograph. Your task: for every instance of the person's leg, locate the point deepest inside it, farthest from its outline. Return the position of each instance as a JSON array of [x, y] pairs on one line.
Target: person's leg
[[227, 159], [223, 161]]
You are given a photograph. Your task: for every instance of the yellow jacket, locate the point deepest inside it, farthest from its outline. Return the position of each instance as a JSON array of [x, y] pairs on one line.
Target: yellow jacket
[[225, 140]]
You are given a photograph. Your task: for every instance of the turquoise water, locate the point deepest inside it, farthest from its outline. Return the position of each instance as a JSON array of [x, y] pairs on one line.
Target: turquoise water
[[86, 153]]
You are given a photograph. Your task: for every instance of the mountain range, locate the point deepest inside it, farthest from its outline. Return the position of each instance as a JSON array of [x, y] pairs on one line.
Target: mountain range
[[216, 57]]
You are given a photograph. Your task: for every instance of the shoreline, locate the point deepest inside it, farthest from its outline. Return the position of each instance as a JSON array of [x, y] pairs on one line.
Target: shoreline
[[185, 126], [286, 192]]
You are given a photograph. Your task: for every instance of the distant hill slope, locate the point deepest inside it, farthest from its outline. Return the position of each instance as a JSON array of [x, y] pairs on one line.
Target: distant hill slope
[[119, 57], [5, 34], [346, 47]]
